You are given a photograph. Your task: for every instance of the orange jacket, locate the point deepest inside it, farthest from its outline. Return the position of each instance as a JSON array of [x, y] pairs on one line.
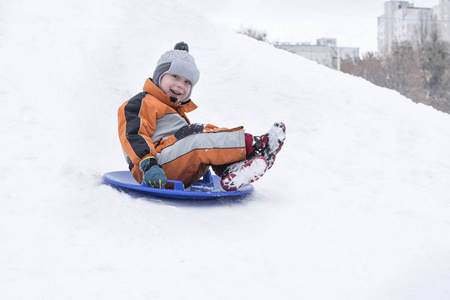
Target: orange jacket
[[147, 118], [147, 126]]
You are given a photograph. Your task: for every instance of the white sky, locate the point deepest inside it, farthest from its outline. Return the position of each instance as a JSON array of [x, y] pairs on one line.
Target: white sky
[[352, 22]]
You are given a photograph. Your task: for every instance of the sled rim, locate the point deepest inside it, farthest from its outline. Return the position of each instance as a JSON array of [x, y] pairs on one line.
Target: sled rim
[[124, 180]]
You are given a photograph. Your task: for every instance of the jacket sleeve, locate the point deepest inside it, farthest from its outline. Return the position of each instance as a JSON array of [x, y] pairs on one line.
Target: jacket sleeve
[[136, 125]]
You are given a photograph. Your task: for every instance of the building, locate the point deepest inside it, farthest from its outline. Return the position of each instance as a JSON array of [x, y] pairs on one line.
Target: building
[[402, 21], [443, 15], [325, 52]]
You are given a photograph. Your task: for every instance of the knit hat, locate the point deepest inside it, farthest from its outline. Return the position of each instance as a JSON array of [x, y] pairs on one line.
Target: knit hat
[[178, 62]]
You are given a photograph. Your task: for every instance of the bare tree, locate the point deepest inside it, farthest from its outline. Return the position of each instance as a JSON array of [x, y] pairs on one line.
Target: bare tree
[[422, 30], [435, 63], [403, 72], [254, 33], [418, 69], [370, 67]]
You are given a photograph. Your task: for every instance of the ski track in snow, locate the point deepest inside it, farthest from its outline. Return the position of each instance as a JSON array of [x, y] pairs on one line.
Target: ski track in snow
[[356, 205]]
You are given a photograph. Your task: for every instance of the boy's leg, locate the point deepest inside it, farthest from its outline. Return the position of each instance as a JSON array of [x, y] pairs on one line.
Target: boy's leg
[[267, 145], [243, 172], [189, 157], [260, 154]]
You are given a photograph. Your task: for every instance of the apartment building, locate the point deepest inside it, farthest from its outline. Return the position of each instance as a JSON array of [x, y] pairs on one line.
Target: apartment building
[[325, 52], [402, 21], [443, 14]]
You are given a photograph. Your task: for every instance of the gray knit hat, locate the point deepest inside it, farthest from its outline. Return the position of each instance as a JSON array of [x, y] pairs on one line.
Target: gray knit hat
[[178, 62]]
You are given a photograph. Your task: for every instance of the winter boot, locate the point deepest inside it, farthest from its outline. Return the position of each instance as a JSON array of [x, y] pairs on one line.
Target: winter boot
[[243, 172], [267, 145]]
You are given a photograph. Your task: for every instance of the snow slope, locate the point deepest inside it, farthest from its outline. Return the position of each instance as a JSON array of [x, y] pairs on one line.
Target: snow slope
[[357, 205]]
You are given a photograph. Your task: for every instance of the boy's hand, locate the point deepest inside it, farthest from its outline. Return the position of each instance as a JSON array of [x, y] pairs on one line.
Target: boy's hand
[[154, 175]]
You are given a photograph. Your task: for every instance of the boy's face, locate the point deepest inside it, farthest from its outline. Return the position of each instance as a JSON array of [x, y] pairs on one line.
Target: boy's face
[[176, 86]]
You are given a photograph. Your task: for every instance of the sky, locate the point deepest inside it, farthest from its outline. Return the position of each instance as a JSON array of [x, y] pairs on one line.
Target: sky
[[352, 22]]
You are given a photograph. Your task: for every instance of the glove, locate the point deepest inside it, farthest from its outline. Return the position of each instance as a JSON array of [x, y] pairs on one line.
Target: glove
[[154, 175]]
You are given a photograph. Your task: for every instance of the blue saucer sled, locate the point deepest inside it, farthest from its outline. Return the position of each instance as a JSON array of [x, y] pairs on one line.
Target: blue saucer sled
[[207, 187]]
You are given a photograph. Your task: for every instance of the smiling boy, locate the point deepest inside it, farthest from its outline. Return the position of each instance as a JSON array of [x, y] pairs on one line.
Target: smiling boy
[[160, 142], [176, 86]]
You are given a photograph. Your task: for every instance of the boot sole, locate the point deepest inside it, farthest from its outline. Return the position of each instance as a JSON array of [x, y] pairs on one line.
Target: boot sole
[[246, 172]]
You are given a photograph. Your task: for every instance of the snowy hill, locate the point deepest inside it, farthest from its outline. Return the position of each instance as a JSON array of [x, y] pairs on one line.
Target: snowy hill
[[357, 205]]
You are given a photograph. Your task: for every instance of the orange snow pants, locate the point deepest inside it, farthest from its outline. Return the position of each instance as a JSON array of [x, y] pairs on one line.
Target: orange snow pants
[[188, 158]]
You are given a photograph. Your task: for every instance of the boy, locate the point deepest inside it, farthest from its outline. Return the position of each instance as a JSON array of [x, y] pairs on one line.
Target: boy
[[160, 142]]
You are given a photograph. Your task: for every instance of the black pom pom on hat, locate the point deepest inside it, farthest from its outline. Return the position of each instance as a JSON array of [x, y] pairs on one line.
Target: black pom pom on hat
[[181, 46]]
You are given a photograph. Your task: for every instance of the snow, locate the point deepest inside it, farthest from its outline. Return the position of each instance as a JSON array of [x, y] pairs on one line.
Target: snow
[[357, 205]]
